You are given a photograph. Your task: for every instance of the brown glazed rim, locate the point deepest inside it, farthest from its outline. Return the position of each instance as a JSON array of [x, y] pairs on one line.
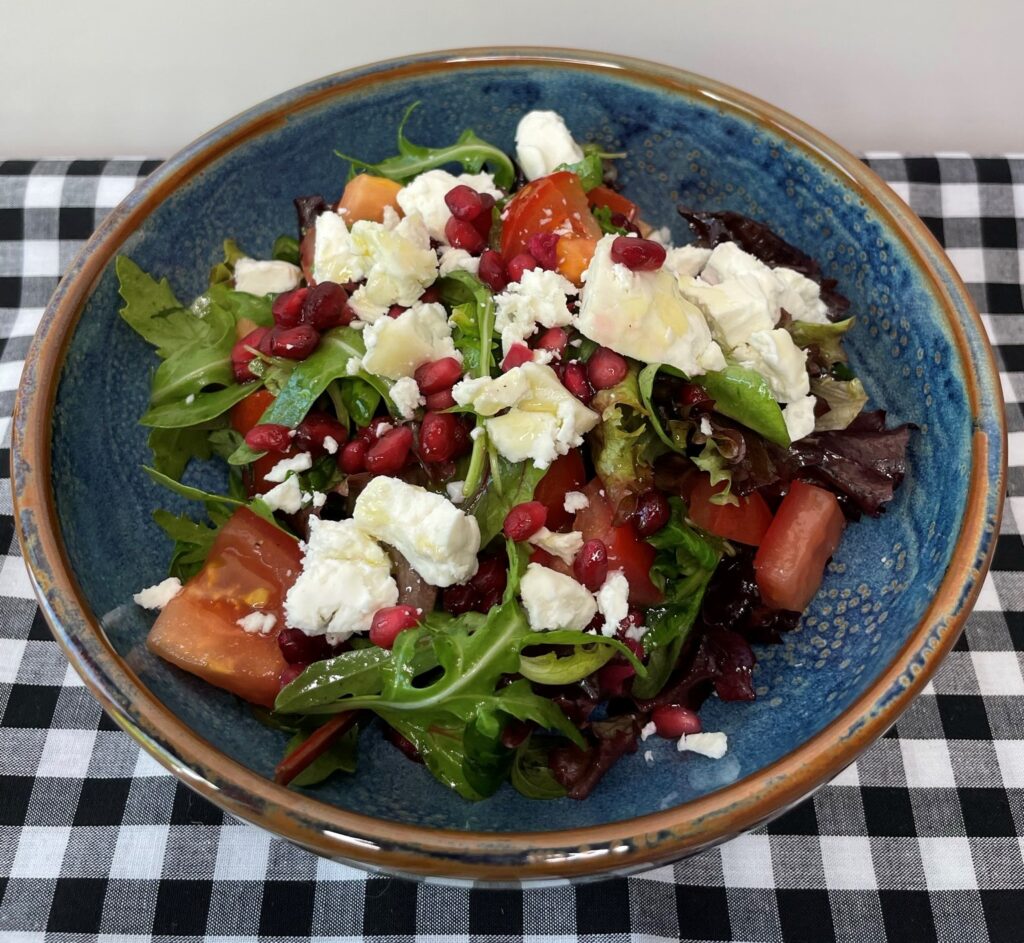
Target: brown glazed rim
[[501, 857]]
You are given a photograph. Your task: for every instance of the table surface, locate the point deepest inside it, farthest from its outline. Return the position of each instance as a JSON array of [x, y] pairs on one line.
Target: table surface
[[920, 840]]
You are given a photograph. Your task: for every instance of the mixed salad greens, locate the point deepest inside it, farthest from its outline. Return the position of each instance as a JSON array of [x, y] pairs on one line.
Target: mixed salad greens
[[510, 479]]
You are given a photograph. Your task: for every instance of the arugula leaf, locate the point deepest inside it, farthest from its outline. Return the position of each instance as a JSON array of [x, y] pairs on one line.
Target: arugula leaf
[[469, 150], [218, 506], [359, 399], [511, 484], [590, 170], [204, 405], [340, 756], [173, 449], [192, 542], [350, 674], [286, 249], [240, 304], [603, 215], [552, 668], [152, 310], [671, 437], [224, 271], [531, 775]]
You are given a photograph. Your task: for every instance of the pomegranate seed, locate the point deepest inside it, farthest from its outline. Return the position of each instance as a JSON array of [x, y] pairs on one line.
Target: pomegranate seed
[[490, 577], [652, 513], [633, 644], [287, 307], [517, 355], [464, 202], [693, 394], [301, 649], [634, 620], [430, 295], [294, 343], [438, 375], [352, 458], [555, 339], [492, 271], [524, 520], [396, 311], [574, 379], [483, 223], [638, 255], [673, 720], [269, 437], [326, 306], [515, 732], [387, 623], [316, 428], [543, 247], [457, 600], [390, 452], [613, 679], [242, 356], [290, 673], [464, 235], [463, 443], [591, 565], [488, 601], [606, 369], [377, 427], [519, 264], [438, 437], [439, 401]]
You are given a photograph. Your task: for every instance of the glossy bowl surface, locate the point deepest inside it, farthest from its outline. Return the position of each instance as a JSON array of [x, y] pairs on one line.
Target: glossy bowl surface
[[895, 596]]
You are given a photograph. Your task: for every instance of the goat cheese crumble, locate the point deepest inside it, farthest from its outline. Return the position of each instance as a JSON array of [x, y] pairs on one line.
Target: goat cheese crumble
[[159, 595]]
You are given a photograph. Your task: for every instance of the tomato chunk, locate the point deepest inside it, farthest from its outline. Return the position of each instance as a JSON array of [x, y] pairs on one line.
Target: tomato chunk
[[803, 535], [565, 474], [545, 205], [744, 523], [251, 566], [616, 202], [247, 412], [626, 550]]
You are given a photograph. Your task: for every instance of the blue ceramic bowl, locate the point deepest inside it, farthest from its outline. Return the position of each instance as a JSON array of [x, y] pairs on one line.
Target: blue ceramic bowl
[[895, 596]]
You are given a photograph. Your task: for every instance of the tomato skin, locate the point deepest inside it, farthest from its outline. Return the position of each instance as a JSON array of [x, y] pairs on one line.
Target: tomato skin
[[562, 194], [744, 523], [626, 550], [251, 565], [565, 474], [616, 202], [246, 413], [805, 532]]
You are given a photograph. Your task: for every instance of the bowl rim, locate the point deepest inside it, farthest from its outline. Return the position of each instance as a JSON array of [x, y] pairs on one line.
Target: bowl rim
[[501, 857]]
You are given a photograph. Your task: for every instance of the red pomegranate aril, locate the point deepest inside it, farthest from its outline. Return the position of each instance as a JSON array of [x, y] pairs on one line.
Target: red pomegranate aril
[[464, 202], [606, 368], [638, 255], [326, 306], [693, 394], [492, 271], [591, 565], [287, 307], [316, 428], [390, 452], [652, 513], [460, 599], [438, 375], [634, 620], [352, 458], [242, 354], [515, 732], [430, 295], [290, 673], [673, 720], [490, 577], [301, 649], [463, 443], [439, 440], [543, 247], [396, 311], [388, 623], [634, 645], [555, 339], [294, 343], [614, 679], [464, 235], [574, 379], [488, 601], [523, 262], [524, 520], [439, 401], [269, 437], [517, 355], [377, 427]]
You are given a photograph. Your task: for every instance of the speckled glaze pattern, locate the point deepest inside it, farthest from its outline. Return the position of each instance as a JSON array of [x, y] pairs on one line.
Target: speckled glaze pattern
[[895, 594]]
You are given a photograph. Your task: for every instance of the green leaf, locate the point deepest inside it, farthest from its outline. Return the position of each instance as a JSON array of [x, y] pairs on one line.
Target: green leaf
[[486, 760], [204, 406], [192, 542], [359, 399], [286, 249], [239, 304], [340, 756], [660, 665], [845, 398], [584, 642], [552, 668], [152, 311], [173, 448], [675, 440], [513, 484], [590, 170], [531, 775], [472, 152], [827, 338], [350, 674], [711, 460], [224, 271], [744, 395], [603, 215]]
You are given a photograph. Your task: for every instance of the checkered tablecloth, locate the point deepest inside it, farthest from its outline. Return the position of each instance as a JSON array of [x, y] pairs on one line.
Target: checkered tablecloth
[[921, 840]]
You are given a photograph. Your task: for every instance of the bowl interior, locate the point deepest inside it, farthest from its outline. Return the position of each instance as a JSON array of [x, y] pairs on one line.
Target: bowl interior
[[680, 150]]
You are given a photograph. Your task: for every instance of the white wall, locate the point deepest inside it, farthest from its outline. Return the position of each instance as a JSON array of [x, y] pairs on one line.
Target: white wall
[[143, 78]]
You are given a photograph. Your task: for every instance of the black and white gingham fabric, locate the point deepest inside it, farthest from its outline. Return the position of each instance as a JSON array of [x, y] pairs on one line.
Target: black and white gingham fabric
[[921, 840]]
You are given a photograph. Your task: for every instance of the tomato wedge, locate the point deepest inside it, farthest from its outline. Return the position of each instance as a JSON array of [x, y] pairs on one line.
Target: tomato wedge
[[626, 550], [250, 567], [745, 523], [565, 474], [545, 205], [803, 535], [616, 202], [246, 413]]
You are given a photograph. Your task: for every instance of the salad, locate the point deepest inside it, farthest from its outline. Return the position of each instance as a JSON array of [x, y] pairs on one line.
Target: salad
[[511, 482]]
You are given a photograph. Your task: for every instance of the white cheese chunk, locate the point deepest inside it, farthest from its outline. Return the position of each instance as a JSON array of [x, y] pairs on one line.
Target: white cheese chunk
[[662, 235], [425, 194], [643, 315], [686, 261], [799, 417], [330, 444], [345, 579], [539, 298], [563, 546], [712, 745], [575, 501], [613, 601], [405, 394], [257, 623], [298, 463], [318, 499], [456, 491], [286, 496], [256, 277], [800, 296], [555, 601], [649, 730], [776, 357], [395, 347], [158, 596], [456, 260], [543, 143], [734, 309], [439, 541]]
